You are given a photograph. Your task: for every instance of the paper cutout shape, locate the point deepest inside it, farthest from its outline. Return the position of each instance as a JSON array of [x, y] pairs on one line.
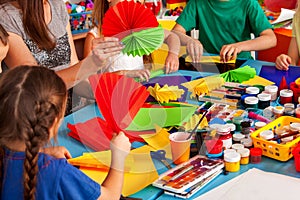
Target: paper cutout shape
[[190, 125], [160, 115], [166, 93], [239, 75], [169, 80], [135, 25], [203, 85], [257, 80], [210, 59]]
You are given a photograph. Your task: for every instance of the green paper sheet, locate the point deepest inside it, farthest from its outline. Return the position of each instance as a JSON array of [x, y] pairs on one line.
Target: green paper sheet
[[147, 118], [239, 75]]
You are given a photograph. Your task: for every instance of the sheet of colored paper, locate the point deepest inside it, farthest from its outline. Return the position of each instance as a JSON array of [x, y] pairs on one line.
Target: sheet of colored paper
[[257, 80]]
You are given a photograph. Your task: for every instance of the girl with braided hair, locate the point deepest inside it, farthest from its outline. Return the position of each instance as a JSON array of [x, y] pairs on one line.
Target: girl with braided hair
[[33, 101]]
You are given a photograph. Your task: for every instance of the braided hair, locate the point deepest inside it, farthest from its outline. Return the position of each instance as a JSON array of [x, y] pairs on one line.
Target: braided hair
[[32, 98]]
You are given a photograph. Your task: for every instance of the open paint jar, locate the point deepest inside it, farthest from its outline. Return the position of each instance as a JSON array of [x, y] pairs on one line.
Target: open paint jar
[[232, 161]]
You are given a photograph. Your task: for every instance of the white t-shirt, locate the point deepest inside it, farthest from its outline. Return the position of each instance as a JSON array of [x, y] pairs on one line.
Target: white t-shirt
[[122, 61]]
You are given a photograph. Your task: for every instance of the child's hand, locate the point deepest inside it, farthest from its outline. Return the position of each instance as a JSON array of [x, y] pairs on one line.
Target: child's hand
[[282, 62], [172, 63], [57, 152], [142, 74], [229, 52], [194, 49], [120, 148]]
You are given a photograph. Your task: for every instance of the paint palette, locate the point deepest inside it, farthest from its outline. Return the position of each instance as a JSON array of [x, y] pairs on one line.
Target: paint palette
[[188, 174]]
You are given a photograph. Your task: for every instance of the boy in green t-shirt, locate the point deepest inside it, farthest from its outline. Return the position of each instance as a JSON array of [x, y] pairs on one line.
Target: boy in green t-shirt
[[225, 28]]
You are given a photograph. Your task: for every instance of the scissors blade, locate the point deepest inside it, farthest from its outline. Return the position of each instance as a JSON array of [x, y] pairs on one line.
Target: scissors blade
[[165, 162]]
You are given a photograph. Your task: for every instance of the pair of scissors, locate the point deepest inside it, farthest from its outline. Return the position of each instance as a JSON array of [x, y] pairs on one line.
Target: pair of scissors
[[161, 156]]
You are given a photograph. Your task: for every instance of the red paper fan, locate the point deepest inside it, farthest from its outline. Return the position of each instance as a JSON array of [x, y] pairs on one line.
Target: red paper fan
[[119, 98], [127, 17]]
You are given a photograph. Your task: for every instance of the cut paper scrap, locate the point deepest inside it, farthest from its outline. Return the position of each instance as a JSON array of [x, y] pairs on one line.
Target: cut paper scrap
[[203, 85], [135, 25], [142, 172], [191, 124], [93, 133], [169, 80], [166, 93], [239, 75], [285, 14], [160, 115], [210, 59], [119, 99], [257, 80], [159, 140]]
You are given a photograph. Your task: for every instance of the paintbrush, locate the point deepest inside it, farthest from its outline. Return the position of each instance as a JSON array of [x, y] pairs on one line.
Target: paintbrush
[[199, 122]]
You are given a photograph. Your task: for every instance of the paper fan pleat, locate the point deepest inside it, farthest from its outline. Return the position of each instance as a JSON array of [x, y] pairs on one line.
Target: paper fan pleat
[[127, 15]]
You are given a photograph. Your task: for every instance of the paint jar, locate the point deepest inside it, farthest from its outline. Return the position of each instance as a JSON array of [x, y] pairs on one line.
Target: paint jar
[[255, 155], [228, 151], [251, 102], [278, 111], [294, 128], [237, 137], [224, 134], [264, 100], [232, 127], [232, 161], [272, 89], [237, 121], [246, 125], [259, 125], [247, 142], [253, 91], [214, 146], [266, 134], [245, 154], [297, 112], [286, 96], [237, 146], [268, 112], [289, 109]]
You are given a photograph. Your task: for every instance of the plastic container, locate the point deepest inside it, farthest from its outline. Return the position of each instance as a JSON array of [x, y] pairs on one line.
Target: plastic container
[[289, 109], [259, 125], [278, 111], [245, 156], [252, 90], [251, 102], [255, 155], [247, 142], [272, 89], [237, 137], [282, 152], [264, 100], [237, 146], [266, 134], [286, 96], [232, 161], [297, 112], [214, 146], [224, 134], [237, 121]]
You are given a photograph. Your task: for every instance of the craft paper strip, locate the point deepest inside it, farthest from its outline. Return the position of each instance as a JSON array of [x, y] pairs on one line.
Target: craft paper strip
[[190, 125], [209, 59], [257, 80], [169, 80], [147, 118], [275, 75]]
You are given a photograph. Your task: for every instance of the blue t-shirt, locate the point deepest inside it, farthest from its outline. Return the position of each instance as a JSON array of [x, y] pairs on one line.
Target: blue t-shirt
[[57, 179]]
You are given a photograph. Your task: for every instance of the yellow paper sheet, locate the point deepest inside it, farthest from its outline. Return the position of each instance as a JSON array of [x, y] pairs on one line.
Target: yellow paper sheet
[[257, 80], [141, 174], [190, 125], [166, 93]]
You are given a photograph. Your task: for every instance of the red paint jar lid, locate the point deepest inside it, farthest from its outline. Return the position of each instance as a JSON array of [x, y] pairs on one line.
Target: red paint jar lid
[[255, 152], [286, 93]]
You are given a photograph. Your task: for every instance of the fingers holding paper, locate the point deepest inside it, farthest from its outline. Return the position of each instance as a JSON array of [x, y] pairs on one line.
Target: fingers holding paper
[[283, 61], [172, 63], [229, 52], [195, 50]]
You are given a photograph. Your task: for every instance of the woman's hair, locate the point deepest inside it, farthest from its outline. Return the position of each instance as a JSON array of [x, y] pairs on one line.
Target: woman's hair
[[99, 10], [3, 35], [34, 23], [32, 99]]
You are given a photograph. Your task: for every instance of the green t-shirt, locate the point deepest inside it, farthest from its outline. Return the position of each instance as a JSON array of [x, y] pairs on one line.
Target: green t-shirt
[[222, 22]]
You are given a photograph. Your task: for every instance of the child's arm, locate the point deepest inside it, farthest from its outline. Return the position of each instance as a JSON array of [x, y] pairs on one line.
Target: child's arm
[[142, 74], [172, 60], [283, 61], [111, 187], [265, 40], [88, 44]]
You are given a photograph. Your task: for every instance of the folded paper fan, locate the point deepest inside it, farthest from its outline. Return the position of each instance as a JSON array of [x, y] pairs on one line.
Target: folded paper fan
[[203, 85], [239, 75], [190, 125], [166, 93], [135, 25]]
